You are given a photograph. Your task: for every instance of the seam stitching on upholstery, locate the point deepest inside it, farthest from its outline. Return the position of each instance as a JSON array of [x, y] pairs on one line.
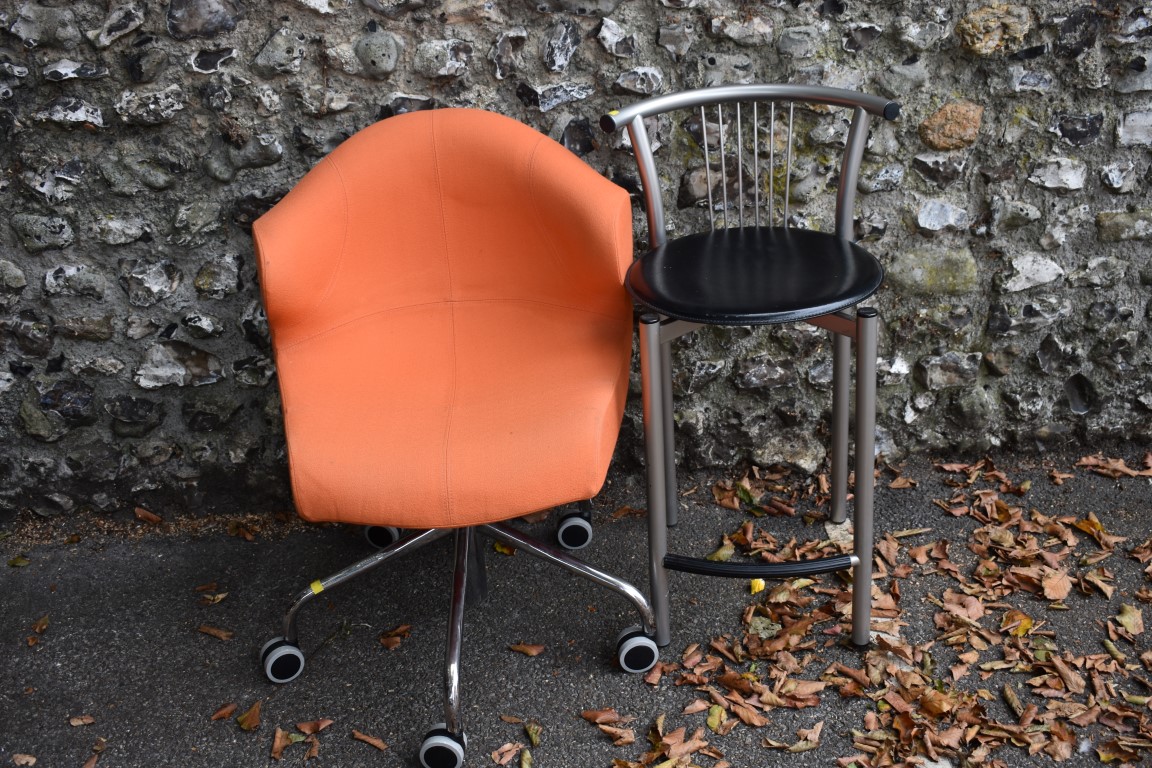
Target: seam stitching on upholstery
[[432, 120], [334, 328], [537, 217], [343, 239]]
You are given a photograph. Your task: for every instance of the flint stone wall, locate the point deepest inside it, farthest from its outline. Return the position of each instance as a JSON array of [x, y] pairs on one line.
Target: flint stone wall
[[140, 139]]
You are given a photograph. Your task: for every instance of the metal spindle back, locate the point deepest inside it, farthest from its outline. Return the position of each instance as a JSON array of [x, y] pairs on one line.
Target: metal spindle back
[[742, 116], [748, 195]]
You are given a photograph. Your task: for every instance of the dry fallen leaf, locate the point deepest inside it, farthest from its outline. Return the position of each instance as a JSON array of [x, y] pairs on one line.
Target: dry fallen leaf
[[1131, 618], [504, 754], [23, 760], [280, 741], [809, 738], [250, 720], [81, 720], [145, 516], [604, 716], [527, 649], [224, 712], [313, 726], [379, 744], [216, 632], [91, 762], [391, 639], [621, 737], [1056, 584]]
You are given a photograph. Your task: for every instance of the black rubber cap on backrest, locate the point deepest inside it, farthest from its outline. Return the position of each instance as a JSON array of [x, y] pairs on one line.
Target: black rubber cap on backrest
[[607, 124], [892, 110]]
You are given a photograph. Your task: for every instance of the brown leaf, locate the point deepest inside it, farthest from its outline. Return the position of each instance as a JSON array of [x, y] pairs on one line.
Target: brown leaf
[[504, 754], [1056, 584], [391, 639], [81, 720], [280, 742], [313, 748], [1016, 623], [809, 738], [1073, 681], [145, 516], [533, 730], [224, 712], [380, 745], [313, 726], [216, 632], [23, 760], [40, 625], [527, 649], [621, 737], [91, 762], [1131, 618], [250, 720], [603, 716]]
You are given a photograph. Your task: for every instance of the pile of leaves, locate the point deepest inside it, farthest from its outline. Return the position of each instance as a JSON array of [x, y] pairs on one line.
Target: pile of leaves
[[994, 676]]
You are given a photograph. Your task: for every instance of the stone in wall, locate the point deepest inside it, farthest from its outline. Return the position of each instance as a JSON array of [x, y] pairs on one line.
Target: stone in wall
[[202, 18], [42, 233], [993, 28], [954, 126], [927, 272], [442, 58], [282, 54], [121, 20], [177, 363], [1118, 226]]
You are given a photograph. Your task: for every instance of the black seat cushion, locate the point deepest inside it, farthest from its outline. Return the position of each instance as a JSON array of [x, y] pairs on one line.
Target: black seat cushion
[[753, 276]]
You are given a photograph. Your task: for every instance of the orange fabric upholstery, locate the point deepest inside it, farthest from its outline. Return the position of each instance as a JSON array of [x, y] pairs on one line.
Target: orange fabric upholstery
[[452, 336]]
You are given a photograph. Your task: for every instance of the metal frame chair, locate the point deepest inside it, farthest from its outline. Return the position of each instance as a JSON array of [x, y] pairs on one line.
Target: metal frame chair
[[749, 271]]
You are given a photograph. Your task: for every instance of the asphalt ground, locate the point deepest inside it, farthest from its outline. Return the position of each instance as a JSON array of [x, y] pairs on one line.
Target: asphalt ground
[[111, 654]]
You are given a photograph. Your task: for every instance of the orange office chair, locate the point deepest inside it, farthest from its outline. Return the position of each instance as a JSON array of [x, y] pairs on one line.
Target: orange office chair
[[453, 340]]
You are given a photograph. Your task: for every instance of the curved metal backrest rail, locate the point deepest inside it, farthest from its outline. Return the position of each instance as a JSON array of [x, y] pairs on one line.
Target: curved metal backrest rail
[[813, 94]]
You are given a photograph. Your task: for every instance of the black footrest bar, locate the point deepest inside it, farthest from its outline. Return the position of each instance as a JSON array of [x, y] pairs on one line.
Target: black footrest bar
[[702, 567]]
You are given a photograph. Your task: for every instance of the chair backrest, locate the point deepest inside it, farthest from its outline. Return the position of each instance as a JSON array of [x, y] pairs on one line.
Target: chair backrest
[[746, 145], [437, 206]]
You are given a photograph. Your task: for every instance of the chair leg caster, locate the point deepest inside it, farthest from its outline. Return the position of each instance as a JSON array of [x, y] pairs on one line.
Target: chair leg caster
[[636, 651], [575, 530], [281, 660], [381, 536], [442, 749]]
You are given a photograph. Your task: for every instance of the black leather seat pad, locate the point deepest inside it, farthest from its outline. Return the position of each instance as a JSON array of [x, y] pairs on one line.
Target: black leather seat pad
[[753, 276]]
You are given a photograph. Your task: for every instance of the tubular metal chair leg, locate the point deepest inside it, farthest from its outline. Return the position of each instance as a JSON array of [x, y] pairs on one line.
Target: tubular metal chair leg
[[404, 546], [667, 411], [477, 573], [655, 448], [841, 361], [528, 545], [863, 539], [465, 538]]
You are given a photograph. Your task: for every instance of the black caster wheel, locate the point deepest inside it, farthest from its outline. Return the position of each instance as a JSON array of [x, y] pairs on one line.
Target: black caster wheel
[[636, 651], [574, 530], [442, 749], [281, 660], [381, 536]]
